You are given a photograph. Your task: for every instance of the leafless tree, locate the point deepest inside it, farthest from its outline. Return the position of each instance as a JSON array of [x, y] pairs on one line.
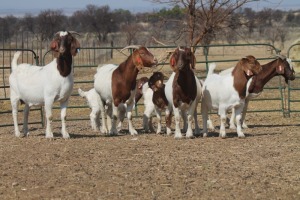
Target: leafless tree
[[204, 18], [131, 31]]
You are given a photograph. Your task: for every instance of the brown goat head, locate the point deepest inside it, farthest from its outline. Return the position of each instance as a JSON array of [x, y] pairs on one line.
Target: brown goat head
[[139, 88], [156, 81], [285, 68], [142, 57], [182, 59], [64, 42], [250, 65]]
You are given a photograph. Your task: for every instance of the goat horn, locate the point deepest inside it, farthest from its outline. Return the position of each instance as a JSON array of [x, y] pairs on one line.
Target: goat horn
[[74, 32], [131, 47]]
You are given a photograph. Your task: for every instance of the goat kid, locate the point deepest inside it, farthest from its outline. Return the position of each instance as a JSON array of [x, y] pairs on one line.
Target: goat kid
[[227, 91], [154, 100], [116, 84], [183, 91], [43, 85], [95, 103]]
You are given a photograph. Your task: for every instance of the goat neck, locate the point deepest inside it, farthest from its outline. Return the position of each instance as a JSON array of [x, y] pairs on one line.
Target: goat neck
[[184, 86], [64, 64], [274, 68], [139, 88], [124, 81], [159, 97], [240, 80]]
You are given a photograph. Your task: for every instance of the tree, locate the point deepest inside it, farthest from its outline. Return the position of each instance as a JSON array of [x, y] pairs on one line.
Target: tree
[[47, 23], [204, 18], [131, 31], [97, 20]]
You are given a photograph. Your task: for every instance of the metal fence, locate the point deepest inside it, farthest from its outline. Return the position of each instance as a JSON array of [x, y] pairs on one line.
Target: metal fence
[[293, 90], [86, 63]]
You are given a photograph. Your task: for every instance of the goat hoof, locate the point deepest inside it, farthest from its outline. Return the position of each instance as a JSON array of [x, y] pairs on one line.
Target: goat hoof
[[133, 132], [245, 126], [66, 136], [178, 137], [223, 136], [49, 135], [20, 135], [190, 137], [104, 131], [232, 127]]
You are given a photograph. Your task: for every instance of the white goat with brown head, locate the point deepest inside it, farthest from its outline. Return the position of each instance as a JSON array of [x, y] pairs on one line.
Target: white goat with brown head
[[42, 85], [227, 91]]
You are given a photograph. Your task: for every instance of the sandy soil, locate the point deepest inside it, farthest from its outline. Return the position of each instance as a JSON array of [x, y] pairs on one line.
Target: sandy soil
[[264, 165]]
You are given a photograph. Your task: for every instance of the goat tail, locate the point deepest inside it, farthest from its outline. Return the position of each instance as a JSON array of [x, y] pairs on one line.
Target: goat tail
[[81, 92], [211, 68], [14, 62]]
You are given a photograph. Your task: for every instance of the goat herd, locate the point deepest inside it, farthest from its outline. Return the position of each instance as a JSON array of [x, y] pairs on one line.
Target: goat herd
[[116, 89]]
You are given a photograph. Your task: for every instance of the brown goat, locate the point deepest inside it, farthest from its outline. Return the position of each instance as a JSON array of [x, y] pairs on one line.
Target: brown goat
[[116, 84], [183, 91]]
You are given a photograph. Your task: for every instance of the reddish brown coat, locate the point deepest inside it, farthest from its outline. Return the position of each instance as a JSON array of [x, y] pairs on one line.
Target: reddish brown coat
[[124, 77], [244, 70], [184, 85]]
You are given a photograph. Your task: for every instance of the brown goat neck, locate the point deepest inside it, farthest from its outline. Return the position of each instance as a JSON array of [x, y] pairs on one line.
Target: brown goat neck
[[159, 98], [64, 64], [262, 78], [184, 87], [124, 81], [240, 81]]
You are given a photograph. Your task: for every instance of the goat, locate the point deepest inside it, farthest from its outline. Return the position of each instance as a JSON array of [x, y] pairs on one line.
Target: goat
[[154, 100], [227, 91], [183, 91], [95, 103], [43, 85], [280, 66], [116, 84]]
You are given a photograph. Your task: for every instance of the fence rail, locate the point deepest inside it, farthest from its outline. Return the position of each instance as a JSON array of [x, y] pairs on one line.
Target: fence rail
[[86, 63]]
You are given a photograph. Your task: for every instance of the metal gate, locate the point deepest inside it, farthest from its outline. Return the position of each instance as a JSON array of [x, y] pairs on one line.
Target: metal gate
[[28, 56], [294, 88]]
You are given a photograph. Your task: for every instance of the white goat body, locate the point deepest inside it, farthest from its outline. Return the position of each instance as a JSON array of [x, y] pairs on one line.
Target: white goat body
[[42, 85], [221, 93]]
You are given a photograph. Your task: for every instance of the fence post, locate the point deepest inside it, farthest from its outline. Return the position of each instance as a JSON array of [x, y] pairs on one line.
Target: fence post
[[111, 50]]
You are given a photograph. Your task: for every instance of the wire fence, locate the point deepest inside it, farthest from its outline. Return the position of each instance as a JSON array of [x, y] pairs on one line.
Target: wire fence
[[279, 97]]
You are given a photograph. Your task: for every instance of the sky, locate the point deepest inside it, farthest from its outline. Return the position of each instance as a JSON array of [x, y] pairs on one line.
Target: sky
[[20, 7]]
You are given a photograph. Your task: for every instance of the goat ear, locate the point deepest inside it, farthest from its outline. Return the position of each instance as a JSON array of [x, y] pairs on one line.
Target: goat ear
[[75, 46], [172, 62], [54, 48], [140, 85], [249, 72], [246, 66], [137, 60], [280, 69]]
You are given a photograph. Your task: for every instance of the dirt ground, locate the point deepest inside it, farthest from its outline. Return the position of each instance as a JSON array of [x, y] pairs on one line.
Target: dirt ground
[[264, 165]]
